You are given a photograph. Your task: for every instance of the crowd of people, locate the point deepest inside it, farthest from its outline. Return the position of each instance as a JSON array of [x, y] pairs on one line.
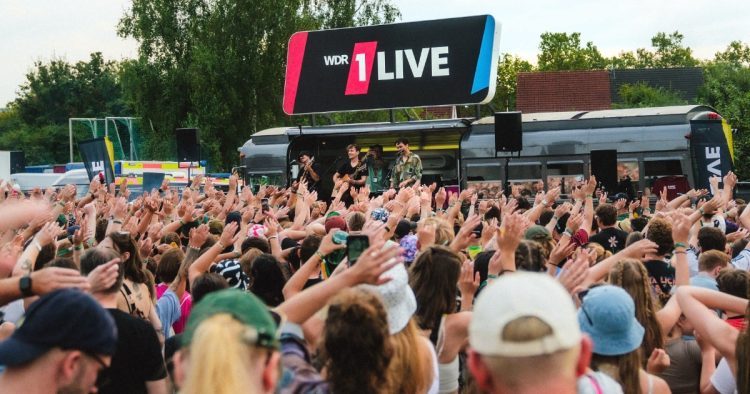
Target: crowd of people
[[206, 291]]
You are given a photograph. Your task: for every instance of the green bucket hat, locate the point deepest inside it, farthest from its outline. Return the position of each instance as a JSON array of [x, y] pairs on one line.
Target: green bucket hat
[[538, 233], [244, 307]]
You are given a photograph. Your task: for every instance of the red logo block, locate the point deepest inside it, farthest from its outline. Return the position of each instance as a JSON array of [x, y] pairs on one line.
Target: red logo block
[[360, 68]]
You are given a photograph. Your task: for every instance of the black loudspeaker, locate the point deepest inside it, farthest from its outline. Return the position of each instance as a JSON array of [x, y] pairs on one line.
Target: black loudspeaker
[[508, 132], [188, 148], [17, 162], [604, 168]]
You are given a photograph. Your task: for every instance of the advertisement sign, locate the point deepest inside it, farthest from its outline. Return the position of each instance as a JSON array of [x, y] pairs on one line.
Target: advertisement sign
[[439, 62], [711, 155], [96, 159]]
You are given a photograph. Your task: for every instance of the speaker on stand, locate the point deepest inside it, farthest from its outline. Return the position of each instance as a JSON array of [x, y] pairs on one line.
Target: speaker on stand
[[508, 138], [188, 147], [604, 168]]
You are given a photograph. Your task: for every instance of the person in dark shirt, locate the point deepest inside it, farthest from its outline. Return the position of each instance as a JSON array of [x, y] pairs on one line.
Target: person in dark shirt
[[353, 172], [660, 273], [137, 365], [309, 170], [609, 236]]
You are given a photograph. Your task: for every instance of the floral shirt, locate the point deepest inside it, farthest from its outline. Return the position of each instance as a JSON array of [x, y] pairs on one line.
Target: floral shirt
[[411, 168]]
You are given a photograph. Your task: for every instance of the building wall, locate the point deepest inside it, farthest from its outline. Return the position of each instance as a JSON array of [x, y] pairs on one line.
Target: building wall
[[563, 91]]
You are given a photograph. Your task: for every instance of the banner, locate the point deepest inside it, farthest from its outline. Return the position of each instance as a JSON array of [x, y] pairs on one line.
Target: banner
[[96, 159], [152, 180], [430, 63], [711, 154]]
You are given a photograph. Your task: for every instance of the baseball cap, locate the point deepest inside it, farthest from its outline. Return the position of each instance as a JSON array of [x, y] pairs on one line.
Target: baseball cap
[[67, 319], [523, 294], [242, 306], [538, 233], [607, 315], [398, 298], [335, 222], [231, 270]]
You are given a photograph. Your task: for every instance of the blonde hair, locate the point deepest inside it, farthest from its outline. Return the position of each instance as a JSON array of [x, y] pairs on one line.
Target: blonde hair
[[408, 370], [601, 253], [222, 363], [443, 231], [515, 372]]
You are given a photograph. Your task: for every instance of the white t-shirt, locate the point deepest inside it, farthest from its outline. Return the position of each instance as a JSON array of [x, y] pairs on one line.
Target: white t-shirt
[[435, 386], [723, 380], [742, 261], [598, 383]]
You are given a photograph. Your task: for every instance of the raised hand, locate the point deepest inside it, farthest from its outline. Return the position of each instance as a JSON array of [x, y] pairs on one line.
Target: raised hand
[[468, 281], [198, 236], [104, 276], [511, 232], [638, 250]]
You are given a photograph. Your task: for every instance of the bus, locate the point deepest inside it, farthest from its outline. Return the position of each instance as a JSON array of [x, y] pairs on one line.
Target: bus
[[691, 141]]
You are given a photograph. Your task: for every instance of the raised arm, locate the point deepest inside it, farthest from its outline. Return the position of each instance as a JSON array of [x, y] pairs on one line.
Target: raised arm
[[636, 250], [295, 284], [203, 262]]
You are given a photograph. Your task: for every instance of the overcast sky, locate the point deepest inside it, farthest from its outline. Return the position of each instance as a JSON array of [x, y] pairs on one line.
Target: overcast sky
[[72, 29]]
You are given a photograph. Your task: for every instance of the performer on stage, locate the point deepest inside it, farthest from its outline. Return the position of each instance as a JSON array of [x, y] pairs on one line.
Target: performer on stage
[[310, 171], [408, 167], [353, 172]]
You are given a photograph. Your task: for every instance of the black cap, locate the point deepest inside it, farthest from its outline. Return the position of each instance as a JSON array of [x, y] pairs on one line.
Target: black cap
[[67, 319]]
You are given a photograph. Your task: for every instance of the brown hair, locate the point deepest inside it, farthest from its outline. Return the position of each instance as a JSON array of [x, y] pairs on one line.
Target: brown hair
[[135, 270], [443, 231], [356, 348], [530, 256], [601, 253], [631, 275], [711, 259], [169, 265], [607, 214], [734, 282], [660, 232], [408, 370], [433, 277], [624, 369]]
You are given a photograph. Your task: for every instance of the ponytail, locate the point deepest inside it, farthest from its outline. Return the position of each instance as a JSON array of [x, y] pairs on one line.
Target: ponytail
[[221, 362]]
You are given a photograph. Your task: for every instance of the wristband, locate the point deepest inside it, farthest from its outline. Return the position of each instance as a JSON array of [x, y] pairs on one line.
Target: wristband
[[544, 202], [194, 248], [568, 233], [702, 211], [589, 196], [272, 237], [555, 218], [492, 276], [680, 245], [117, 221], [679, 252], [321, 256], [78, 247], [37, 245], [221, 245]]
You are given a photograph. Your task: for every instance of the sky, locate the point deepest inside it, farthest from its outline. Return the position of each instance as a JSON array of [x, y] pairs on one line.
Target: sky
[[39, 30]]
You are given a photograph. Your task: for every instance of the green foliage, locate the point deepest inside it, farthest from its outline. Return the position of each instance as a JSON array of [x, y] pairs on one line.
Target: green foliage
[[219, 65], [669, 52], [727, 88], [507, 73], [37, 120], [641, 94], [563, 51]]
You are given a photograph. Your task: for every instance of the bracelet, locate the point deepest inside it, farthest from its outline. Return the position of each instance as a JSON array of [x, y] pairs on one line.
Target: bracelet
[[78, 247], [492, 276], [568, 233], [680, 245], [544, 202], [221, 245], [37, 245], [320, 255], [555, 218], [702, 211], [679, 252], [194, 248], [589, 196], [577, 200], [117, 221], [272, 237]]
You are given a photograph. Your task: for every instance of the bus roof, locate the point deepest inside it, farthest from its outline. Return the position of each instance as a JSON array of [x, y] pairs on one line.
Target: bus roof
[[678, 114], [365, 127]]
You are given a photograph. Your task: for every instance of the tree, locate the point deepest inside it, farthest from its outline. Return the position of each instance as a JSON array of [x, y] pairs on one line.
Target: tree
[[219, 65], [669, 52], [563, 51], [727, 88], [641, 94], [507, 74]]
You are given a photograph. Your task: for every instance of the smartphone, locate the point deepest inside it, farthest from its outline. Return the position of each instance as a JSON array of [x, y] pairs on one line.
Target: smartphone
[[355, 245], [478, 230], [264, 205]]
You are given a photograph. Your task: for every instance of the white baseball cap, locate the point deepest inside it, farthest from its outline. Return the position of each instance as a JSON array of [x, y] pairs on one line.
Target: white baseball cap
[[523, 294]]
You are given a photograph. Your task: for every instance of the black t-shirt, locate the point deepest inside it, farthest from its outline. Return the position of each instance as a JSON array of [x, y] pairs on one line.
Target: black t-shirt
[[661, 276], [355, 173], [137, 359], [612, 239], [311, 183]]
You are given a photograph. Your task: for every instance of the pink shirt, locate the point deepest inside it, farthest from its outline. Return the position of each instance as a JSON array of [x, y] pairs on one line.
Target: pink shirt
[[186, 303]]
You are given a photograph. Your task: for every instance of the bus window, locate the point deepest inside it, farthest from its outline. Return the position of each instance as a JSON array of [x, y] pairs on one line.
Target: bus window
[[664, 167], [564, 174], [528, 176], [484, 171]]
